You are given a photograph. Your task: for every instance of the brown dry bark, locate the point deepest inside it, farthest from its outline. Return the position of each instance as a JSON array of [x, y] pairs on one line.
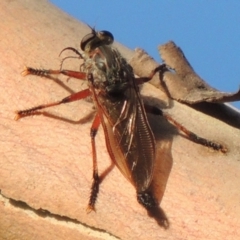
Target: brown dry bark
[[45, 163]]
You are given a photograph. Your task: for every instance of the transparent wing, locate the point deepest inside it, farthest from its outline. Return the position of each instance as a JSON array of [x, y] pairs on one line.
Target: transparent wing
[[129, 139]]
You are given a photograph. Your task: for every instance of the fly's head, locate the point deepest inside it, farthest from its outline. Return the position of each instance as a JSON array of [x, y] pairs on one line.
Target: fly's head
[[111, 73]]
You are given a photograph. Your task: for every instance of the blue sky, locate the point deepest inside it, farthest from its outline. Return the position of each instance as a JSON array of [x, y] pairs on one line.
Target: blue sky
[[208, 32]]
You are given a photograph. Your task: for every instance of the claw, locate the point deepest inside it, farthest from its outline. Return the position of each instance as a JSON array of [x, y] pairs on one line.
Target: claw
[[90, 209], [17, 116], [25, 71]]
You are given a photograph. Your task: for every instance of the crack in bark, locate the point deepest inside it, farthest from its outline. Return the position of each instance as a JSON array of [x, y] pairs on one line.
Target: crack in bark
[[43, 213]]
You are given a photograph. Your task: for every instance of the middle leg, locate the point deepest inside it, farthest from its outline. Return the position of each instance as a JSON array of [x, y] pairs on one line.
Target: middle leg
[[73, 97]]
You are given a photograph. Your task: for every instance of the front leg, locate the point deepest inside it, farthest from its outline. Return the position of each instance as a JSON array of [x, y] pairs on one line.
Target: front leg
[[47, 72], [161, 69]]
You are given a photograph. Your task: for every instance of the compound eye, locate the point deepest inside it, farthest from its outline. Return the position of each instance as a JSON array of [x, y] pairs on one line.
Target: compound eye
[[88, 38], [96, 39], [106, 37]]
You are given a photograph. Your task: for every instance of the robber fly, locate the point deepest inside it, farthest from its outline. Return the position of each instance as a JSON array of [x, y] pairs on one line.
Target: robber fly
[[121, 112]]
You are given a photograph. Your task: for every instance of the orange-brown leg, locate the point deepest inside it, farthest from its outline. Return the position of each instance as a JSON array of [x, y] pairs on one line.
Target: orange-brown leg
[[160, 69], [190, 135], [73, 97], [96, 180], [47, 72], [44, 72]]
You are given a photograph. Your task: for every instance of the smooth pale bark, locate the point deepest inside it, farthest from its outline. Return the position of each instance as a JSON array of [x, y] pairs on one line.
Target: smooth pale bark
[[46, 162]]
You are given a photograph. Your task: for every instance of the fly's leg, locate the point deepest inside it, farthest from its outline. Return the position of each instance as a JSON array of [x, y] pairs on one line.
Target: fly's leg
[[71, 49], [96, 179], [161, 69], [45, 73], [190, 135], [73, 97], [154, 110], [74, 50]]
